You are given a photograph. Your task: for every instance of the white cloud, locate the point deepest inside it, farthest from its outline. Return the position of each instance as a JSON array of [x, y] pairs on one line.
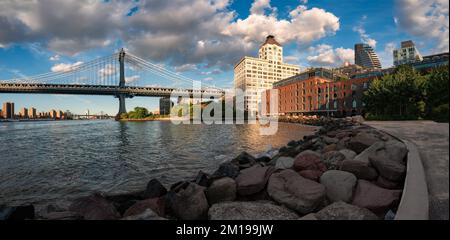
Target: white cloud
[[208, 79], [325, 55], [65, 67], [303, 26], [185, 67], [365, 38], [108, 70], [428, 19], [196, 32], [386, 56], [131, 79], [55, 58]]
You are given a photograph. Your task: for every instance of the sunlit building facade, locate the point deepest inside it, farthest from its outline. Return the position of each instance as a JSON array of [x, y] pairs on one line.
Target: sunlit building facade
[[255, 75]]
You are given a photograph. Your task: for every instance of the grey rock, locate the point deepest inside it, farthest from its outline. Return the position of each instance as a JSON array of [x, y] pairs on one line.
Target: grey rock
[[361, 141], [154, 189], [360, 169], [344, 211], [221, 190], [284, 163], [259, 210], [295, 192], [333, 159], [388, 168], [329, 140], [349, 154], [226, 170], [339, 185]]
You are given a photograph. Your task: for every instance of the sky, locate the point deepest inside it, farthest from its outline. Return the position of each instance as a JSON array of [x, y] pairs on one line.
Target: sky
[[202, 39]]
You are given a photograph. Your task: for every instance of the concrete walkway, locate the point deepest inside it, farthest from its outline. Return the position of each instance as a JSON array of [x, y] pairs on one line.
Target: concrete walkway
[[431, 139]]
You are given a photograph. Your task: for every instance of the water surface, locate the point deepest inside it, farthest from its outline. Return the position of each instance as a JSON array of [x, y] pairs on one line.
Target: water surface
[[45, 162]]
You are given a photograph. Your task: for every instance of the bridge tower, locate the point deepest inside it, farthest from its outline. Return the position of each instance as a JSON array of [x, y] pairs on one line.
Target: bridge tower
[[122, 96]]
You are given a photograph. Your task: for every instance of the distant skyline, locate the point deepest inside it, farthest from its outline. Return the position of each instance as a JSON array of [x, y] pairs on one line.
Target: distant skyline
[[43, 36]]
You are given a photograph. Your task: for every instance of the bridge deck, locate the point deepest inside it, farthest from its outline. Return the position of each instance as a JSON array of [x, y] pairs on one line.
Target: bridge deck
[[102, 90]]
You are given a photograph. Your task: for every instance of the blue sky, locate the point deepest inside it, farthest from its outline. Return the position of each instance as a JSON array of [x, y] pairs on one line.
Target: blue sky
[[202, 39]]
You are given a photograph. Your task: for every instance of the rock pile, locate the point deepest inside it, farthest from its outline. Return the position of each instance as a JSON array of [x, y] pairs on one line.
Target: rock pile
[[346, 170]]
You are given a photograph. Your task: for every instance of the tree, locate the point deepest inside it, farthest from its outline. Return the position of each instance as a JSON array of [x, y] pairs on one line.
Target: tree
[[400, 95], [437, 94]]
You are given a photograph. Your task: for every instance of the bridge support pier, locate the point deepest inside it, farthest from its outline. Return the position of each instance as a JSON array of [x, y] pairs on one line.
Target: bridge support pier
[[122, 108]]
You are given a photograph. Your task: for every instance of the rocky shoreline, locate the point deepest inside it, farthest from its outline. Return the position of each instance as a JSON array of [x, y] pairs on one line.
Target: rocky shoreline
[[346, 170]]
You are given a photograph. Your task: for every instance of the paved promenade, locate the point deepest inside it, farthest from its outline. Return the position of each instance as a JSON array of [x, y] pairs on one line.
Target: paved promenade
[[431, 139]]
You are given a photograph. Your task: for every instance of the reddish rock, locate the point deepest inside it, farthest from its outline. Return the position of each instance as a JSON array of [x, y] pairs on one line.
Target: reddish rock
[[295, 192], [309, 160], [94, 207], [311, 174], [155, 204], [376, 199], [253, 180], [188, 202]]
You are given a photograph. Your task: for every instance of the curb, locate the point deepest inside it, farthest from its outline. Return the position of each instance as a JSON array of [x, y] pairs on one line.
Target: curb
[[414, 204]]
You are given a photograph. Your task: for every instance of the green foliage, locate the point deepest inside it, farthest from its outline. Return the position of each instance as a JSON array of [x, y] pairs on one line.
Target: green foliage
[[440, 113], [138, 113], [437, 91], [406, 94]]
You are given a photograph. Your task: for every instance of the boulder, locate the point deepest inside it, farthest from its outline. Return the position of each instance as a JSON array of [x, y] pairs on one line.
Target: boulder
[[284, 163], [387, 168], [244, 160], [221, 190], [253, 179], [154, 189], [124, 201], [344, 211], [188, 202], [342, 144], [94, 207], [333, 159], [226, 170], [148, 214], [349, 154], [329, 140], [396, 151], [376, 199], [311, 174], [259, 210], [296, 192], [360, 165], [343, 134], [17, 213], [329, 148], [309, 160], [339, 185], [203, 179], [157, 205], [384, 183], [361, 141], [360, 169]]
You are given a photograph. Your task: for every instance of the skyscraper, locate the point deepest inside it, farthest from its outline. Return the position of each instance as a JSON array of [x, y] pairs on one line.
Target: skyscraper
[[8, 110], [32, 112], [254, 75], [407, 54], [23, 113], [366, 57]]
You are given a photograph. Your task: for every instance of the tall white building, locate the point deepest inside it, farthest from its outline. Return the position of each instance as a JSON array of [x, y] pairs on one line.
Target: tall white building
[[407, 54], [254, 75]]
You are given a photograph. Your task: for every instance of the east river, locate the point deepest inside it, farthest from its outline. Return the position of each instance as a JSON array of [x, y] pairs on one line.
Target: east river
[[46, 162]]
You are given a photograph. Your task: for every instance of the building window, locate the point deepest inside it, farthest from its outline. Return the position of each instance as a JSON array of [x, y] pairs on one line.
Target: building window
[[354, 103]]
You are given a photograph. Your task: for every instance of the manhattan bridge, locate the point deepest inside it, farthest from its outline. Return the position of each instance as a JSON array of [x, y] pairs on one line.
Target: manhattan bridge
[[121, 75]]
